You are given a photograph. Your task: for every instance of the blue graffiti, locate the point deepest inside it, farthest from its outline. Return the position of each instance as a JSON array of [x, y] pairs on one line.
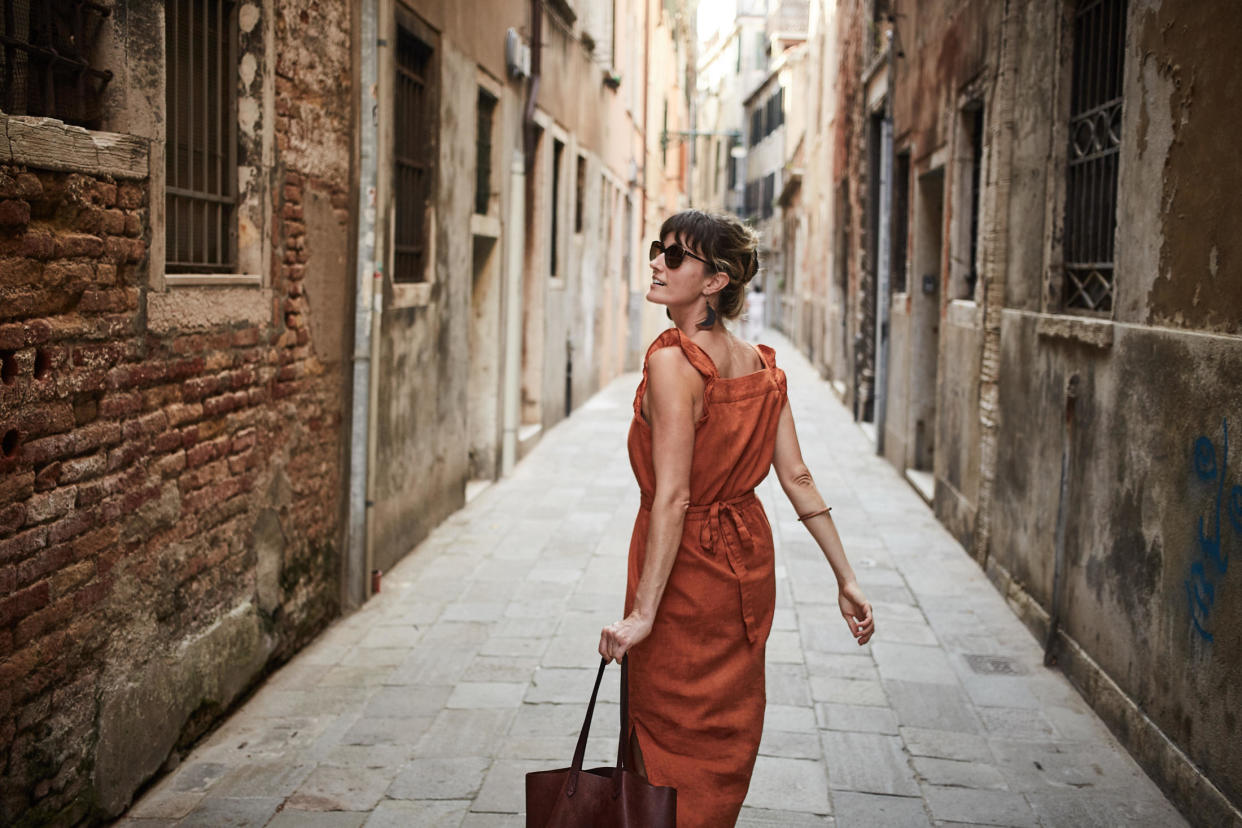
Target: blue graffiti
[[1213, 561]]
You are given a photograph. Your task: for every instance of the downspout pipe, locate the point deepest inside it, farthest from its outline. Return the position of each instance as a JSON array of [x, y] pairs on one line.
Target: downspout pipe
[[516, 234], [884, 249], [355, 576], [532, 94], [1058, 564]]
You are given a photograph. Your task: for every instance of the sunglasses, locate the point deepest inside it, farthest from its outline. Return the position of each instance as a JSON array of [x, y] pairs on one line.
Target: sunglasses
[[674, 255]]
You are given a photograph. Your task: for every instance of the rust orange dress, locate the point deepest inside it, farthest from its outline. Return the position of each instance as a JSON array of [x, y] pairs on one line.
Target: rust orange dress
[[697, 691]]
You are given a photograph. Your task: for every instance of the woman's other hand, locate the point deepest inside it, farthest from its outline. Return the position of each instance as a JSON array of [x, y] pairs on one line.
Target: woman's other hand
[[615, 640], [857, 612]]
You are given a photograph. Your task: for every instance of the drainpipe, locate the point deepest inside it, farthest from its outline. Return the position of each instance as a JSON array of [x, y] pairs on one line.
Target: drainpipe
[[532, 95], [884, 251], [522, 164], [516, 234], [356, 557], [1058, 565]]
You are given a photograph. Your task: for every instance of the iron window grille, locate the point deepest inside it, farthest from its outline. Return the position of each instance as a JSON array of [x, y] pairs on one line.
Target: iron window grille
[[1094, 152], [45, 60], [483, 152], [414, 144], [201, 141]]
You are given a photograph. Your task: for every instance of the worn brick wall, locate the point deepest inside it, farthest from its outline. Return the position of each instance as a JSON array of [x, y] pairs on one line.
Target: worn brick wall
[[140, 474], [170, 494]]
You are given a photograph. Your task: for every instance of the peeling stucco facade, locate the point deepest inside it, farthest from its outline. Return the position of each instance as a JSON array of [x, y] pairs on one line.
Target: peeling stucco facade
[[993, 386]]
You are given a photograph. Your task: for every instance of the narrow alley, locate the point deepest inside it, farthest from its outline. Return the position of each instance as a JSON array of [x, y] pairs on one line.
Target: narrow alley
[[474, 664]]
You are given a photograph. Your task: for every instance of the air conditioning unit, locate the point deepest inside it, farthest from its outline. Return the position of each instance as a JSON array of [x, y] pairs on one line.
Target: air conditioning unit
[[517, 55]]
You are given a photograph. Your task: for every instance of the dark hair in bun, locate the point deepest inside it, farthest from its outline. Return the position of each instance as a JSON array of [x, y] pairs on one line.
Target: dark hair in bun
[[724, 240]]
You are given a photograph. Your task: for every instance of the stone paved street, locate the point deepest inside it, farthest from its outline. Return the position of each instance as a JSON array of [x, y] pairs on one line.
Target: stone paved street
[[474, 664]]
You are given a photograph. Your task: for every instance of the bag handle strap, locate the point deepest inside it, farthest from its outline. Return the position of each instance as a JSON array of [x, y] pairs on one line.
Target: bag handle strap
[[580, 750], [623, 744]]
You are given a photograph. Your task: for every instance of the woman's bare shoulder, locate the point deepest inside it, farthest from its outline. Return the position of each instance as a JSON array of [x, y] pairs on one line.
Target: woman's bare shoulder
[[670, 363]]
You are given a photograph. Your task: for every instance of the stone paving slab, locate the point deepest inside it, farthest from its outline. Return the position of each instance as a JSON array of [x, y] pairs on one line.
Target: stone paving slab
[[428, 705]]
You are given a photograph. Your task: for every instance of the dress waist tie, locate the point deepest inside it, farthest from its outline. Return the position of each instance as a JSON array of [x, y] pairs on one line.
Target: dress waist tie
[[712, 536]]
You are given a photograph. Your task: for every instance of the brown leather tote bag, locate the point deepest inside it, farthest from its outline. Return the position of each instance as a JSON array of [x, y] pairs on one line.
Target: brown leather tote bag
[[600, 797]]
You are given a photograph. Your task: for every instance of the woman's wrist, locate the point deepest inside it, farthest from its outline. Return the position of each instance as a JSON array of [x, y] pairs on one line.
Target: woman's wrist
[[642, 616]]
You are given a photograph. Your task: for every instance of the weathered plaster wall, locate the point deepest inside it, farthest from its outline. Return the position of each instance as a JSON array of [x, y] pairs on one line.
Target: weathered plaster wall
[[1184, 125], [1036, 168], [899, 358], [947, 44], [1147, 592], [957, 426], [1148, 595], [422, 460]]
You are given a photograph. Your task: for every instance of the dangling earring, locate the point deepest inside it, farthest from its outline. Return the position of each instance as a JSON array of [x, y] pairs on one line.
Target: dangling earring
[[710, 321]]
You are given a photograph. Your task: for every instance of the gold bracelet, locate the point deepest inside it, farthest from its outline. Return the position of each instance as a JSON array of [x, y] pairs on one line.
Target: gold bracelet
[[823, 511]]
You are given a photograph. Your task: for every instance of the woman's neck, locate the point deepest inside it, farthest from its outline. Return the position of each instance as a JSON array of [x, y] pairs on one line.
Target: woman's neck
[[688, 317]]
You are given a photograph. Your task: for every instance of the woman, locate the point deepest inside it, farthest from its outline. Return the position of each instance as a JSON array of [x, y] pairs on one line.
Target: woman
[[710, 416]]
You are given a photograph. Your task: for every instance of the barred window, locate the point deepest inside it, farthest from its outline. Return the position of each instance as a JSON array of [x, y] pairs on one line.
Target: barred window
[[483, 152], [200, 150], [414, 147], [1094, 150], [768, 195], [46, 52]]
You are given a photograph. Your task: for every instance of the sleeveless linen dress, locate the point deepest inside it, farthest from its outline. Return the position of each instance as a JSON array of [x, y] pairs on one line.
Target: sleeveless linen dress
[[697, 691]]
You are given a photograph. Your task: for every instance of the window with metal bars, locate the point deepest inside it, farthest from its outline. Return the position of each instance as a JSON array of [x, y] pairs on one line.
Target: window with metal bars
[[200, 150], [46, 53], [414, 148], [1094, 151], [483, 152], [768, 196]]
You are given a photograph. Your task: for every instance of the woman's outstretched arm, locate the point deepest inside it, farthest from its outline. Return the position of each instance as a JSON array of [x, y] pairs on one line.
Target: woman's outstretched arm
[[671, 385], [800, 488]]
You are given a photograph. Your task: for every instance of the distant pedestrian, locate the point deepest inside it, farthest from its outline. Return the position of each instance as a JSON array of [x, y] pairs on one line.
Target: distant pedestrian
[[755, 322], [710, 417]]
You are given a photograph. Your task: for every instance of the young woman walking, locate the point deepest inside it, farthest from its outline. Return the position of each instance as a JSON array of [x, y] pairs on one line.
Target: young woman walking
[[710, 417]]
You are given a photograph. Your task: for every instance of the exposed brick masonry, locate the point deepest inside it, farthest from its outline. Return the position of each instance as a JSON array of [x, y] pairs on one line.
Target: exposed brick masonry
[[133, 467]]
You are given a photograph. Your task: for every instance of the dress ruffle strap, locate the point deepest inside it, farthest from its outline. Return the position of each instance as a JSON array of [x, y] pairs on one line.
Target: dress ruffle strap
[[694, 354]]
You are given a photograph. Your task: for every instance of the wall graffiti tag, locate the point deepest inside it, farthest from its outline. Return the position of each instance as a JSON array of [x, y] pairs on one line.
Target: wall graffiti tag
[[1212, 561]]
